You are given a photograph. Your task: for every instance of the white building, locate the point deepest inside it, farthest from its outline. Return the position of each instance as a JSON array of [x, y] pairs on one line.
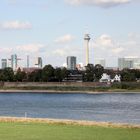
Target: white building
[[117, 78], [106, 78]]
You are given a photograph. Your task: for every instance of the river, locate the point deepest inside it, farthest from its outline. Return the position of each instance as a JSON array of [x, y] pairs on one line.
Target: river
[[118, 108]]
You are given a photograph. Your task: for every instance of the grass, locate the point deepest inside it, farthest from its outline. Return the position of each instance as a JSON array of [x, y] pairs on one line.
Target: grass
[[45, 131], [57, 88], [114, 87]]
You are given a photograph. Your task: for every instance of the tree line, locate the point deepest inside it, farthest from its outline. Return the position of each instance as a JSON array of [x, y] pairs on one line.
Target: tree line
[[50, 74]]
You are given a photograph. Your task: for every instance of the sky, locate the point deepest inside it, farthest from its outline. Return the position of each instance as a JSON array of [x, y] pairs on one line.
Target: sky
[[54, 29]]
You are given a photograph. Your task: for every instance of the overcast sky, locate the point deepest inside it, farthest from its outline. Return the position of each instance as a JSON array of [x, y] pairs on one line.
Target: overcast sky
[[54, 29]]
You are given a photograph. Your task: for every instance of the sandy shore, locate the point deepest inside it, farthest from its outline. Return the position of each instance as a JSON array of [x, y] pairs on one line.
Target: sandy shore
[[57, 91], [67, 122]]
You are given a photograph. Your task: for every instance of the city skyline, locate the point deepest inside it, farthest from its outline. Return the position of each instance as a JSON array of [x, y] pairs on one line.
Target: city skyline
[[54, 30]]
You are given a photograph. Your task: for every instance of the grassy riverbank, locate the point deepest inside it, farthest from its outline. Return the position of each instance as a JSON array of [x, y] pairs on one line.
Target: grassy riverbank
[[60, 131], [68, 90], [71, 87]]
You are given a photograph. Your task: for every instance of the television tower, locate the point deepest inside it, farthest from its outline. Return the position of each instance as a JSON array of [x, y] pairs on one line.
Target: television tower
[[86, 42]]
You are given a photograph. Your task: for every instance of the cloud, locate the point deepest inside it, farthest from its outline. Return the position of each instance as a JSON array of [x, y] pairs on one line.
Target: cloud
[[15, 25], [30, 48], [100, 3], [67, 50], [59, 52], [5, 50], [64, 39], [104, 41], [64, 51], [117, 50], [105, 46]]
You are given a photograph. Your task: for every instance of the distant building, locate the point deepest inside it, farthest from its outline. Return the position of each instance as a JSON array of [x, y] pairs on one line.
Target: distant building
[[136, 64], [125, 63], [31, 69], [100, 61], [117, 78], [3, 63], [80, 66], [130, 63], [105, 78], [14, 62], [71, 62], [73, 78], [38, 62]]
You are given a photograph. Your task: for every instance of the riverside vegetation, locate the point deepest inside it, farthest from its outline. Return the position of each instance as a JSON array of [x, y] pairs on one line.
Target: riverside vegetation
[[49, 74], [73, 87], [91, 74]]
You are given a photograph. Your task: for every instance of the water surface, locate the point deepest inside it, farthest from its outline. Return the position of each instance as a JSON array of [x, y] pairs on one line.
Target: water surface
[[122, 108]]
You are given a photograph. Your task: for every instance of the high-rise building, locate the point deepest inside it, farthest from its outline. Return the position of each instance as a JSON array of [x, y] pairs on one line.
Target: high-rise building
[[86, 41], [100, 61], [3, 63], [38, 62], [71, 62], [14, 62], [130, 63]]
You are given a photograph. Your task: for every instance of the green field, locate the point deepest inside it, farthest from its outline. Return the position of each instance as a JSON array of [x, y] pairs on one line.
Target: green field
[[44, 131]]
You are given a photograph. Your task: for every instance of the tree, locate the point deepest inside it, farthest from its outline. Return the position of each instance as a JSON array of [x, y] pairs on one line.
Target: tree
[[98, 70], [2, 77], [35, 76], [64, 73], [58, 74], [88, 75], [110, 72], [128, 75], [20, 75], [48, 73], [136, 72], [8, 74]]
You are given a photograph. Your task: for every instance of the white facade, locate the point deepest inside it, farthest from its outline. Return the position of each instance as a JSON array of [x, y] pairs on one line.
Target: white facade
[[106, 78], [117, 78]]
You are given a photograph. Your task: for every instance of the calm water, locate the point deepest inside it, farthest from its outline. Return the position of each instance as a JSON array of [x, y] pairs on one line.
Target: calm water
[[124, 108]]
